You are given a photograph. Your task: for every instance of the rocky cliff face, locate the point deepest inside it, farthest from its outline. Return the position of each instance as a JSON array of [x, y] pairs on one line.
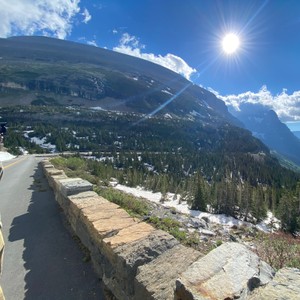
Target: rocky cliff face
[[266, 126]]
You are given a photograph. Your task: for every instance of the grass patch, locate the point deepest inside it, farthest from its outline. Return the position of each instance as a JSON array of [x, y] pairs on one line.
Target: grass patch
[[171, 226], [134, 206], [74, 166]]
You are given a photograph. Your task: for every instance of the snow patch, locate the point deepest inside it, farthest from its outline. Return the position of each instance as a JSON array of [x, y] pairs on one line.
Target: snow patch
[[4, 156], [181, 206], [97, 108], [25, 133], [168, 116], [167, 92], [42, 143]]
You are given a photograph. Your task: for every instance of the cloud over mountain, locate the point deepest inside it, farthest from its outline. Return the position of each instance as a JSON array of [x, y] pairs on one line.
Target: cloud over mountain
[[131, 45], [287, 106], [45, 17]]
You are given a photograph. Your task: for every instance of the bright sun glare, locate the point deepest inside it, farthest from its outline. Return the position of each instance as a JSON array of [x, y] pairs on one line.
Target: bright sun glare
[[230, 43]]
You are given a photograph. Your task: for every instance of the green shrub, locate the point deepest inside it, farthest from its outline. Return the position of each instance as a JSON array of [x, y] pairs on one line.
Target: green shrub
[[169, 225], [72, 163]]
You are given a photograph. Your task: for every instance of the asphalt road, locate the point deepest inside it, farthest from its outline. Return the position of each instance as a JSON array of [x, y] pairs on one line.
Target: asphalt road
[[41, 259]]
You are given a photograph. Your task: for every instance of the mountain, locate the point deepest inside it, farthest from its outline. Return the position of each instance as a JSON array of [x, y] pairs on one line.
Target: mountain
[[297, 134], [265, 125], [80, 97], [68, 73]]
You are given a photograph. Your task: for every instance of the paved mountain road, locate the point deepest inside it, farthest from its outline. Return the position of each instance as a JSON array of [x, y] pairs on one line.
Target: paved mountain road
[[41, 260]]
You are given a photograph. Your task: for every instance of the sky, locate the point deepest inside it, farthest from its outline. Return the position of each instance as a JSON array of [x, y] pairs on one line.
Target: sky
[[186, 37]]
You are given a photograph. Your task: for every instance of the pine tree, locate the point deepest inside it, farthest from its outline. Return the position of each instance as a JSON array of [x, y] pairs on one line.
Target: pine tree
[[199, 202], [288, 211]]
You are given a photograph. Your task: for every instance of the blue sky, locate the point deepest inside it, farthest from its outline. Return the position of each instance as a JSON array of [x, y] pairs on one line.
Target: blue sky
[[186, 37]]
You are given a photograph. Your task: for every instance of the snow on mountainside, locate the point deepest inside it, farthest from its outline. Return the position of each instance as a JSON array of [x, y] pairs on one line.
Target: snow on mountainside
[[56, 72], [182, 207]]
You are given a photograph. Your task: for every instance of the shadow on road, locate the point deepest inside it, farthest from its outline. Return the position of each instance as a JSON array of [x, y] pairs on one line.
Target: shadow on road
[[53, 261]]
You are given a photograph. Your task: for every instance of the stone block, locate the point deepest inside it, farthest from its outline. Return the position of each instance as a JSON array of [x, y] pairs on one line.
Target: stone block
[[230, 271], [125, 260], [46, 164], [110, 223], [72, 186], [129, 234], [156, 280], [80, 201]]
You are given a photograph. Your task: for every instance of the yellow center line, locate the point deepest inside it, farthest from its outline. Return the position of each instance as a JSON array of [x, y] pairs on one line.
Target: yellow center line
[[13, 163]]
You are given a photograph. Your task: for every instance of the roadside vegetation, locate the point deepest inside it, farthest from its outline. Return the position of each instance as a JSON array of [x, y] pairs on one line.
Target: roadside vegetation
[[278, 249]]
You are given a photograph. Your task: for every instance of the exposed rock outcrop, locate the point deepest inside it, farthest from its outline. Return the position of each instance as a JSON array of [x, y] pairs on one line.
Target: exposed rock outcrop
[[230, 271], [285, 285], [156, 280]]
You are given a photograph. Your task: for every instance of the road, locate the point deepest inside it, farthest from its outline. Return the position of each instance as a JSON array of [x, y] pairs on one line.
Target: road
[[41, 259]]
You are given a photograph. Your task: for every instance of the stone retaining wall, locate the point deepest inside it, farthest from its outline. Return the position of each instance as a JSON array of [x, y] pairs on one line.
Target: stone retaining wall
[[138, 262]]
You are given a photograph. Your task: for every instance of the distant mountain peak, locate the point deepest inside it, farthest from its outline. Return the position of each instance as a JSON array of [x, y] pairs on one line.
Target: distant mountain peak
[[265, 125]]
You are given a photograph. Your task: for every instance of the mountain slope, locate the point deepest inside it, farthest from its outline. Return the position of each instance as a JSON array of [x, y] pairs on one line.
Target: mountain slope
[[265, 125], [57, 82], [297, 134], [68, 73]]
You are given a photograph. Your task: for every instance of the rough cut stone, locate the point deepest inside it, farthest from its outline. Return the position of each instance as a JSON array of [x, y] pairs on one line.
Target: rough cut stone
[[156, 280], [111, 223], [129, 234], [53, 172], [102, 211], [46, 164], [285, 285], [230, 271], [74, 186], [54, 181], [80, 201], [125, 260]]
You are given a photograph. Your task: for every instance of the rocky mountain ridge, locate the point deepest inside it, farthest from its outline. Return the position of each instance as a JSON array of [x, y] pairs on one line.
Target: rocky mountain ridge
[[266, 126]]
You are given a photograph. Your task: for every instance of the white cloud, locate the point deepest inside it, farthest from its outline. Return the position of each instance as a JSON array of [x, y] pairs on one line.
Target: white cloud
[[131, 41], [46, 17], [287, 106], [87, 16], [92, 43], [115, 31], [98, 6], [131, 45]]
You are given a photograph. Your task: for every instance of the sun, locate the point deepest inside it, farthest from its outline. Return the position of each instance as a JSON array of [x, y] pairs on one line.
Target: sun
[[230, 43]]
